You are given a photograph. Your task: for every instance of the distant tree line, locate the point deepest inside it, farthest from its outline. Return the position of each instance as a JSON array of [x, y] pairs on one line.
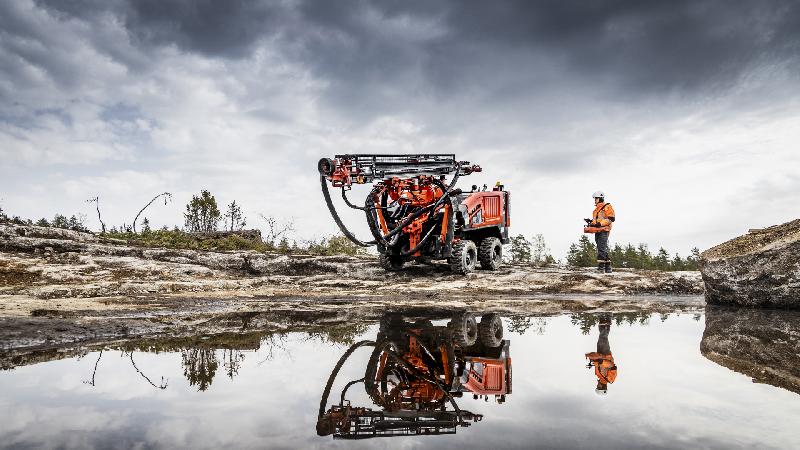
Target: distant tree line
[[584, 254], [74, 222], [533, 252], [202, 215]]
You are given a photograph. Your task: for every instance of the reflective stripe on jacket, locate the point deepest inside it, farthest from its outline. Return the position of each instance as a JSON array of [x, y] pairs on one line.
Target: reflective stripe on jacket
[[604, 368], [603, 214]]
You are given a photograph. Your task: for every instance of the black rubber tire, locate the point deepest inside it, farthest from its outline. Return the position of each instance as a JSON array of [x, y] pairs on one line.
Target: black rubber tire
[[464, 257], [490, 253], [390, 322], [464, 329], [490, 330], [391, 263]]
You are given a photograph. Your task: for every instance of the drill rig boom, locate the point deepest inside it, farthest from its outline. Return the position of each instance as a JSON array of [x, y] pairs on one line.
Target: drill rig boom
[[343, 170]]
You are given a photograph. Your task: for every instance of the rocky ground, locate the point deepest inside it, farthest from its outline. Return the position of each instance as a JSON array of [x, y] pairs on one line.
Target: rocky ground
[[59, 287]]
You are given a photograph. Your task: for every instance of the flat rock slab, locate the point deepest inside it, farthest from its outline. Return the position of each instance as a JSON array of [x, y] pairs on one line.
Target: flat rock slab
[[42, 263], [759, 269]]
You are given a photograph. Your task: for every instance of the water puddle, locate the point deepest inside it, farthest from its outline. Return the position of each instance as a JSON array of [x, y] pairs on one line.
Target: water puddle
[[714, 378]]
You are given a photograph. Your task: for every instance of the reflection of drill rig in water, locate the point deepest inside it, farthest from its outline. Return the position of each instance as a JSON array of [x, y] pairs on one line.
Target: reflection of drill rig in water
[[412, 213], [415, 372]]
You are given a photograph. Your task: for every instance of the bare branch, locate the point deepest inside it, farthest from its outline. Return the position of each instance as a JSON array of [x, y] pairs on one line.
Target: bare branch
[[167, 197], [94, 372], [163, 384], [96, 201], [276, 229]]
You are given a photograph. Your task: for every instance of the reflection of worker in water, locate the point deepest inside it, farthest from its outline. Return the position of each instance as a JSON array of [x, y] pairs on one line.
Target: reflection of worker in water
[[604, 368]]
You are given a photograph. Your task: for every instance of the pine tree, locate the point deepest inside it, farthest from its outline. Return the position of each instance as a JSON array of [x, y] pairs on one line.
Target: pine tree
[[202, 213], [693, 260], [234, 220], [582, 254], [540, 254], [661, 261], [677, 263], [60, 221], [520, 250]]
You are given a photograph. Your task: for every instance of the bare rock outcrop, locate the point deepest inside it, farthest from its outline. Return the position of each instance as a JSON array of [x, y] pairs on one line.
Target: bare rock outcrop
[[759, 269], [46, 263], [762, 344]]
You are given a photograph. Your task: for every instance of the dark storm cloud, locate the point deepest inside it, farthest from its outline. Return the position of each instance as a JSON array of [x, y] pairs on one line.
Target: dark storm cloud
[[216, 28], [377, 56], [630, 48]]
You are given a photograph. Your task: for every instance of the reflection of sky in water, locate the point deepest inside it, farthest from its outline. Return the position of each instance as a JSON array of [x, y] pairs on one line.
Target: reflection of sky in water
[[666, 395]]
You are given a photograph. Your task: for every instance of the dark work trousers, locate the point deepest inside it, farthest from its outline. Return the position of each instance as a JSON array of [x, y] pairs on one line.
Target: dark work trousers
[[603, 347], [601, 239]]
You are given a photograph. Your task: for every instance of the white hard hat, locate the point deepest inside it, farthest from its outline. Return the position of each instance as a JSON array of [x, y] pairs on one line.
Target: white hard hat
[[599, 194], [601, 392]]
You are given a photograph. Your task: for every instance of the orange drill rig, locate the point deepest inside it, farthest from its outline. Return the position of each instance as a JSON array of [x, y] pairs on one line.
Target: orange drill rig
[[415, 372], [414, 213]]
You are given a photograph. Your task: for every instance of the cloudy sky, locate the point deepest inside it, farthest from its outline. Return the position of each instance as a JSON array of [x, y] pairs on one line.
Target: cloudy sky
[[686, 113]]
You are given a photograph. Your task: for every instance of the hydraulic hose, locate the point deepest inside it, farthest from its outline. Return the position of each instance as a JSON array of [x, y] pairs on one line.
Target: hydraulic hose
[[336, 217], [421, 243], [347, 202], [372, 219], [332, 377], [346, 387], [446, 192], [368, 208]]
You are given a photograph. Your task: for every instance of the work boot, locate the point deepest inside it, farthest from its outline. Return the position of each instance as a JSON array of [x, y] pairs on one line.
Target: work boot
[[608, 267]]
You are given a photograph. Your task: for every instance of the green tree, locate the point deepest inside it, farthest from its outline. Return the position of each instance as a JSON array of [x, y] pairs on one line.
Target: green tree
[[77, 223], [582, 254], [199, 366], [341, 245], [42, 222], [60, 221], [661, 261], [146, 225], [234, 220], [677, 263], [540, 254], [283, 246], [693, 260], [202, 213], [645, 257], [520, 250]]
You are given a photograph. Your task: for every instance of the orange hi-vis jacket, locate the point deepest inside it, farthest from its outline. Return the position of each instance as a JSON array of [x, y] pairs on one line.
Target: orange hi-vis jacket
[[603, 215], [604, 368]]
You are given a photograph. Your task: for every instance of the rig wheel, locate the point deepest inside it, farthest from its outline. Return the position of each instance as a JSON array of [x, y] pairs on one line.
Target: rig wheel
[[464, 257], [391, 263], [491, 253], [464, 329], [490, 330]]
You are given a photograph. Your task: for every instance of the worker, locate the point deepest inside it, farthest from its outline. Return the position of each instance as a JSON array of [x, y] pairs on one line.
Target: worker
[[600, 224], [602, 360]]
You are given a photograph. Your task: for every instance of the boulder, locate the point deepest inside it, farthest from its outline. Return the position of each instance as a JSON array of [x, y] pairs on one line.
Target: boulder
[[759, 269], [762, 344]]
